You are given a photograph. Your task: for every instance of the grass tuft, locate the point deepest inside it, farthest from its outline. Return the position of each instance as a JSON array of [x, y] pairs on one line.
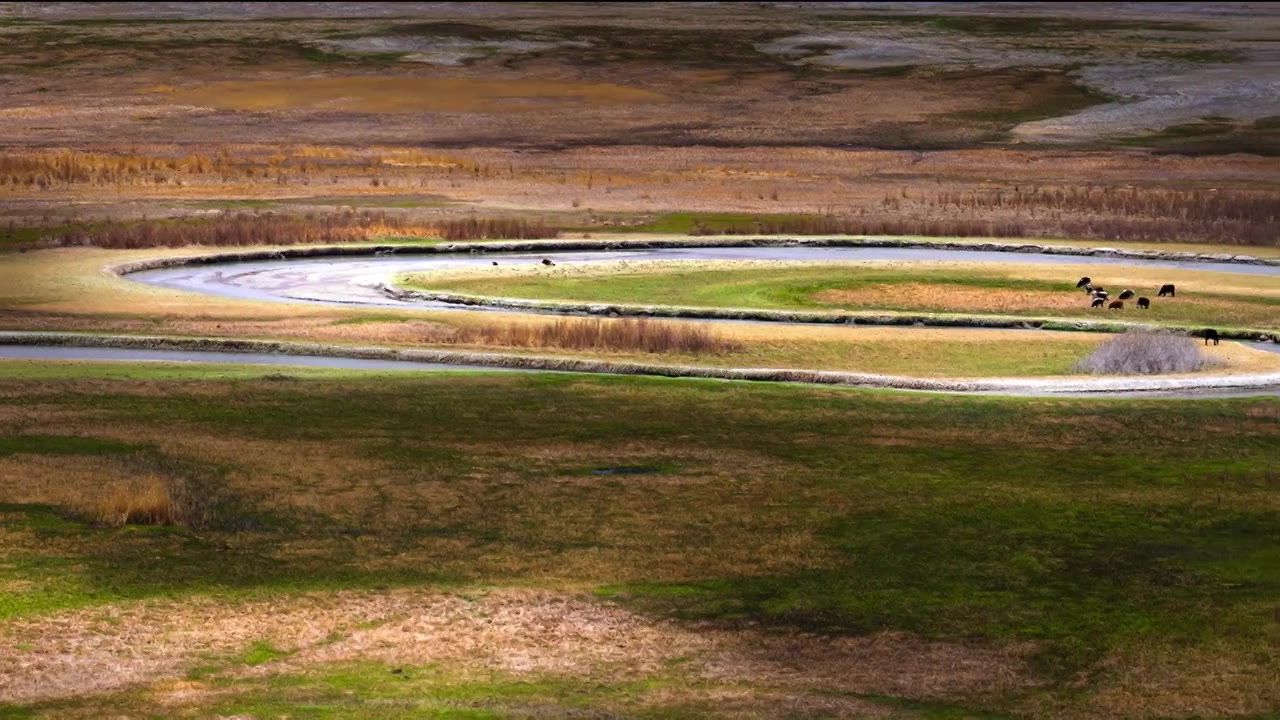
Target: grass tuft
[[623, 335]]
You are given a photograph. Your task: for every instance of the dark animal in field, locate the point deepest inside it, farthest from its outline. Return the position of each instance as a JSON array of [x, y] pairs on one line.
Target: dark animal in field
[[1098, 302], [1169, 290], [1117, 305], [1144, 303], [1210, 334], [495, 262], [1127, 294], [547, 262], [1084, 282], [1100, 293]]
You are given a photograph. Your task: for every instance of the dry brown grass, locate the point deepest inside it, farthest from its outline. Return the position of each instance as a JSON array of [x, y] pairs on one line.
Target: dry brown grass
[[144, 500], [1229, 217], [494, 229], [236, 231], [953, 297], [621, 335], [240, 230]]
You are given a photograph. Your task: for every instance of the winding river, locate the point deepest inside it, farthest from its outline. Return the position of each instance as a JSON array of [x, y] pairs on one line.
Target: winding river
[[359, 280]]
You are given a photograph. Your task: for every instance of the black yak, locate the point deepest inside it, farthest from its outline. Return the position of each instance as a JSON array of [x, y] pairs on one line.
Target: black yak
[[1117, 305], [1127, 294], [1100, 293], [1098, 302], [1168, 290], [1144, 303], [1210, 334], [547, 262], [1084, 283], [495, 262]]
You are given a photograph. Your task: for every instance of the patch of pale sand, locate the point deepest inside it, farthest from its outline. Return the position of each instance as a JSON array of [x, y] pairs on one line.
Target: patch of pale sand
[[520, 632]]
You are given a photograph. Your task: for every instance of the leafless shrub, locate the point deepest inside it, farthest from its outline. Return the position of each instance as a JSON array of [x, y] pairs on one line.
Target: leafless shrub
[[831, 225], [623, 335], [1146, 352], [270, 229], [234, 230], [1227, 216]]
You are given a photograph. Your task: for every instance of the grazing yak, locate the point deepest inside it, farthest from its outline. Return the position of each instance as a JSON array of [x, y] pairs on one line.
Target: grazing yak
[[1100, 293], [1127, 294], [547, 262], [495, 262], [1144, 303], [1210, 334], [1169, 290], [1098, 302], [1117, 305], [1085, 283]]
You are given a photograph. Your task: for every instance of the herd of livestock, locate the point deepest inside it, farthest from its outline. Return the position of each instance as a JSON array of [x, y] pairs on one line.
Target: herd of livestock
[[1100, 295]]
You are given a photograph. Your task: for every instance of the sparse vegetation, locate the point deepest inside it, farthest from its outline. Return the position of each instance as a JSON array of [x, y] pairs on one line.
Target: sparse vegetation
[[1145, 352]]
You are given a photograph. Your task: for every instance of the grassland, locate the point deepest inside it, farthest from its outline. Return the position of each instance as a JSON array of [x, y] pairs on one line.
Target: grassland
[[360, 531], [1035, 291], [231, 541]]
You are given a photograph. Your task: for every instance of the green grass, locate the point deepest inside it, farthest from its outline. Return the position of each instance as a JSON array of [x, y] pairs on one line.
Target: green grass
[[1081, 551]]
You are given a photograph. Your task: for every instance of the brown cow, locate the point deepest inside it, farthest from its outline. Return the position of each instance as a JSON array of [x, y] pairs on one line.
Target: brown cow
[[1144, 303], [1117, 305]]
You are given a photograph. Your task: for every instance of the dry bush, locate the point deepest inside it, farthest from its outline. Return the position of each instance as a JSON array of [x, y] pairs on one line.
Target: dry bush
[[234, 230], [494, 229], [1232, 217], [625, 335], [1144, 352], [819, 225], [270, 229]]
